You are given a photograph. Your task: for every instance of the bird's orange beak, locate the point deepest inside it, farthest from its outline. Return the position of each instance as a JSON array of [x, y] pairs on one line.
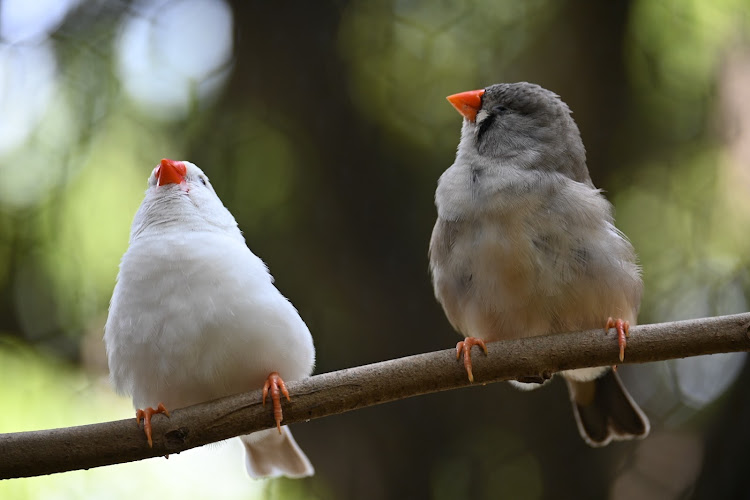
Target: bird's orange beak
[[170, 172], [467, 103]]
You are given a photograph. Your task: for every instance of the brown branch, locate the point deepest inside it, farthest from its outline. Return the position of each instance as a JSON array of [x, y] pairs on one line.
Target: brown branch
[[36, 453]]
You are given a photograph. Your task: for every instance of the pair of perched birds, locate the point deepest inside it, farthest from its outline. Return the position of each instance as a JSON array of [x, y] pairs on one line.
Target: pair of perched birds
[[524, 245]]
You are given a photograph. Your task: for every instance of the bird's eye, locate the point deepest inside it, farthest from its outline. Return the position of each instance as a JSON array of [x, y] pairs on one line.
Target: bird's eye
[[499, 109], [203, 180]]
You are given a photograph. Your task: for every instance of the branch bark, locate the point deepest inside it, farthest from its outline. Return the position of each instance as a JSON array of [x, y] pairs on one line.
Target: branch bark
[[35, 453]]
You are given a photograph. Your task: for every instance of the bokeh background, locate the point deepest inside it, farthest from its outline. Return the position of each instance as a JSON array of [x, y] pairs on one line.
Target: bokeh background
[[324, 128]]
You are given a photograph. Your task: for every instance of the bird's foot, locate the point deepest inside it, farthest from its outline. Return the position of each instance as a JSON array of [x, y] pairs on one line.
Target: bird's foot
[[146, 415], [623, 332], [464, 347], [275, 385]]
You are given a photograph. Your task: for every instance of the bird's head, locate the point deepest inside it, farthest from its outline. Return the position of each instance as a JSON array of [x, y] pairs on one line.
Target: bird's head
[[180, 196], [520, 124]]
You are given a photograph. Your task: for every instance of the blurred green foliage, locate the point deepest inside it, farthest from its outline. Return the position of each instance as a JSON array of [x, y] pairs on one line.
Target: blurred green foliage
[[324, 133]]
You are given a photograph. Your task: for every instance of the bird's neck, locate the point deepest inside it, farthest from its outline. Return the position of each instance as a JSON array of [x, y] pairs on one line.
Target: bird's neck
[[160, 218]]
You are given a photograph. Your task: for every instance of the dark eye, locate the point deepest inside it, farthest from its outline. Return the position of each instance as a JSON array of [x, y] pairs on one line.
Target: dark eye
[[499, 109], [203, 180]]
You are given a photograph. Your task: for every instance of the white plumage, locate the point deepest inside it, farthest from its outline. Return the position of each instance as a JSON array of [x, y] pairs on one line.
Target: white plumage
[[195, 315]]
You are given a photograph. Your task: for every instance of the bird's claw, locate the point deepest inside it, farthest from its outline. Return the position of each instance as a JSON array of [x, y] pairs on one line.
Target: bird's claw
[[146, 415], [275, 385], [464, 347], [623, 332]]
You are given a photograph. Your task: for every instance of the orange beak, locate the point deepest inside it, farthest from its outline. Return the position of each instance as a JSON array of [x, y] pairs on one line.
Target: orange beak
[[467, 103], [170, 172]]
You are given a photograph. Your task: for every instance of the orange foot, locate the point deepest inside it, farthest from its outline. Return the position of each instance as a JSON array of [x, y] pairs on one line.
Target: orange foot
[[464, 347], [623, 332], [275, 385], [146, 416]]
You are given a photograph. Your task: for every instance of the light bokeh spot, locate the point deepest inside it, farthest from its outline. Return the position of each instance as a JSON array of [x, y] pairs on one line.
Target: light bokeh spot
[[172, 56]]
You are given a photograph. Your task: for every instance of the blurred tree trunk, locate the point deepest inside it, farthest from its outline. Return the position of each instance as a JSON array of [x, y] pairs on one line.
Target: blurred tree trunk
[[290, 72]]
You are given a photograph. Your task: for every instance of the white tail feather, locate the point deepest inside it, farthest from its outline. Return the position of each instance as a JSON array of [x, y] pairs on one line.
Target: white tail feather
[[270, 454]]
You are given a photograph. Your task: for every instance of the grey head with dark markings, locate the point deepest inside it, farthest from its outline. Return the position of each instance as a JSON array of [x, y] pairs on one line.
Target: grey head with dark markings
[[522, 125]]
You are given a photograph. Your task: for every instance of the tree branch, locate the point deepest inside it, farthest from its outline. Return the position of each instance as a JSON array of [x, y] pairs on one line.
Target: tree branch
[[37, 453]]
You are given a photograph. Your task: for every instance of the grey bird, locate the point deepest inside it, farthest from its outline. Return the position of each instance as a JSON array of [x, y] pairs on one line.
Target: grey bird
[[525, 245]]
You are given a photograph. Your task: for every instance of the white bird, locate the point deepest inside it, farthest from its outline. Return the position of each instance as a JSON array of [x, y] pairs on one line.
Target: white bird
[[195, 316], [525, 245]]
